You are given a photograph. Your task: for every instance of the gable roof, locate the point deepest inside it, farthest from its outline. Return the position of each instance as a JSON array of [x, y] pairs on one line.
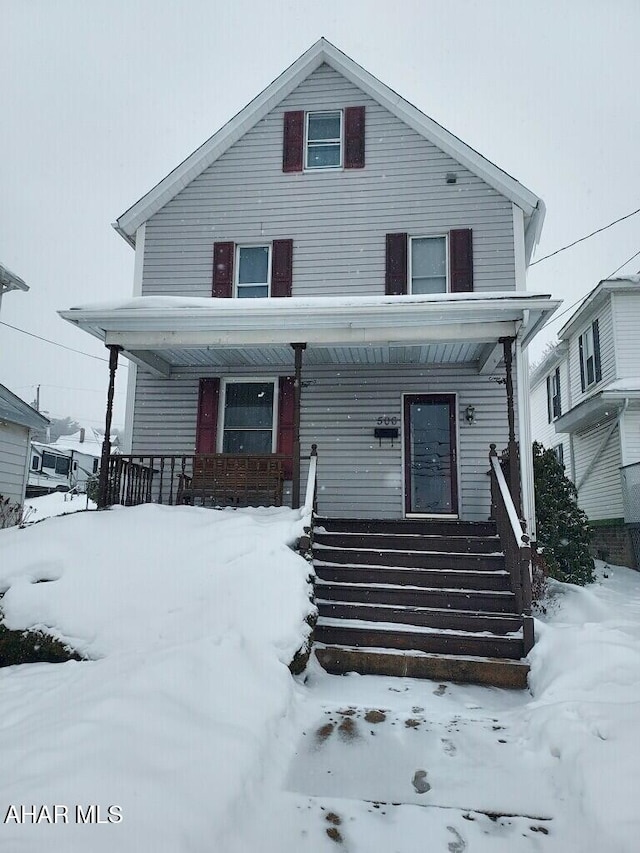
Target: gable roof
[[325, 52], [16, 411], [596, 298], [10, 281]]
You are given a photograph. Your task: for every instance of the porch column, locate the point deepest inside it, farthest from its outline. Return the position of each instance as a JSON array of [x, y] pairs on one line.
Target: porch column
[[297, 387], [512, 446], [106, 444]]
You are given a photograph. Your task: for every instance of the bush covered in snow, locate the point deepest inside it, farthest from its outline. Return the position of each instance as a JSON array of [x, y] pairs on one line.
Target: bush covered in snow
[[563, 528]]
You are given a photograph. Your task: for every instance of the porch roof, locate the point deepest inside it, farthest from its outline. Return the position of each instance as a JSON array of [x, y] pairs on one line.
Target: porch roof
[[165, 332]]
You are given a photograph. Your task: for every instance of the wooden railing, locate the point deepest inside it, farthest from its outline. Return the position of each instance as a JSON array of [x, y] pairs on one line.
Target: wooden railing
[[515, 544], [203, 479]]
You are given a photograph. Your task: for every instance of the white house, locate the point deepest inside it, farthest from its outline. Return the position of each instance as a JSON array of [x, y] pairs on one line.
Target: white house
[[586, 405]]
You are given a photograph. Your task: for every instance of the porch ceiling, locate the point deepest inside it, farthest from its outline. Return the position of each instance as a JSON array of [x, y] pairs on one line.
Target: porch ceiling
[[164, 333]]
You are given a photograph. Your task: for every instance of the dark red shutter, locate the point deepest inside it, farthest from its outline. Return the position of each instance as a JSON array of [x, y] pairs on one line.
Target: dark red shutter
[[285, 423], [293, 141], [396, 265], [207, 425], [596, 350], [461, 260], [282, 268], [223, 269], [354, 138]]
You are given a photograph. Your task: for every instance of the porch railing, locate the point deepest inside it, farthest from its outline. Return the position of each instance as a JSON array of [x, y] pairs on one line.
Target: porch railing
[[203, 479], [515, 543]]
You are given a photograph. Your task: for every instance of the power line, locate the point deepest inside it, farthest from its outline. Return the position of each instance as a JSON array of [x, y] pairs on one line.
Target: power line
[[56, 344], [582, 239], [624, 264]]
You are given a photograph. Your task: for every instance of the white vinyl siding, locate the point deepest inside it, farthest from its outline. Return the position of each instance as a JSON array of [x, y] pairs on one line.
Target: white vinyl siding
[[626, 309], [607, 355], [630, 425], [340, 408], [337, 219], [14, 449], [541, 430], [600, 496]]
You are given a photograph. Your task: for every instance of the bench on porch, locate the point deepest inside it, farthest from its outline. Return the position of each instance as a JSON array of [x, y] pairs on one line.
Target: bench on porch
[[225, 480]]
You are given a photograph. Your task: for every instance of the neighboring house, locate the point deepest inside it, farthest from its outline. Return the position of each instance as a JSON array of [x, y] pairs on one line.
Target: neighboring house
[[10, 281], [17, 421], [66, 463], [595, 417], [334, 268]]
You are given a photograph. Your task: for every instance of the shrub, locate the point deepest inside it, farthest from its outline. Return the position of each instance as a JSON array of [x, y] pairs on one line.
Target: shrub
[[10, 513], [563, 528], [92, 487]]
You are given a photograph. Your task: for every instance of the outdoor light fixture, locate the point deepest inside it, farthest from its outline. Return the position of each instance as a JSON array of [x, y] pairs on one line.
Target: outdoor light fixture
[[470, 414]]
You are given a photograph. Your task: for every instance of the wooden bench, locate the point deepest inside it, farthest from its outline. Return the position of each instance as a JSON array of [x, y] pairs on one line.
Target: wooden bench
[[226, 480]]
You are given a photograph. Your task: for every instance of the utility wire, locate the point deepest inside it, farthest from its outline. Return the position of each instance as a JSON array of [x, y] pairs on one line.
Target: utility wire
[[55, 343], [611, 275], [582, 239]]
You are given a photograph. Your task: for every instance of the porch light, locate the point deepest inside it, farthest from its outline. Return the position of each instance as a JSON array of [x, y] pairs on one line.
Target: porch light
[[470, 414]]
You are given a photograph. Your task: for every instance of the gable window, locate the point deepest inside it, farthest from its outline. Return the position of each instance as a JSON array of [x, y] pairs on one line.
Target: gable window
[[323, 140], [428, 265], [589, 347], [554, 405], [248, 416], [254, 272]]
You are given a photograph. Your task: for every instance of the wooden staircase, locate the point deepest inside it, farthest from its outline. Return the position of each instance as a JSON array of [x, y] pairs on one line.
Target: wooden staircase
[[427, 599]]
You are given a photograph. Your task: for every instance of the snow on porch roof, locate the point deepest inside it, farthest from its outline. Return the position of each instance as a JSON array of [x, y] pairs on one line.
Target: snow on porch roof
[[167, 322], [323, 51]]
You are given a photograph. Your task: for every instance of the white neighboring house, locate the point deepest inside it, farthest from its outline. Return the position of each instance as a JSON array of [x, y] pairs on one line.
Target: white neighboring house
[[17, 421], [586, 406], [66, 463]]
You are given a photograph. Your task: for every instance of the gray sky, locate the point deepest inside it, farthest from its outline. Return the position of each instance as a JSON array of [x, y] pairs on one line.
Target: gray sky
[[100, 100]]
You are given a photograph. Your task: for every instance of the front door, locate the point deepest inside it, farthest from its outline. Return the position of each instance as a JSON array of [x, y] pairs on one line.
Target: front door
[[431, 482]]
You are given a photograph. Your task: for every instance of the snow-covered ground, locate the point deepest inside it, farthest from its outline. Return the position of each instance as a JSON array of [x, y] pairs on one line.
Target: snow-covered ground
[[188, 724], [57, 503]]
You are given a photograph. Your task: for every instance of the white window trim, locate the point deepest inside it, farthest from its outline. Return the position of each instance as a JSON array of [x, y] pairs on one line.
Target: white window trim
[[340, 165], [587, 338], [236, 380], [236, 266], [550, 395], [410, 258]]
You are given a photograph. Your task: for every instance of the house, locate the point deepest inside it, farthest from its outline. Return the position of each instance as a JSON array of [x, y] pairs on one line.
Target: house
[[17, 421], [586, 405], [10, 281], [333, 269], [67, 463]]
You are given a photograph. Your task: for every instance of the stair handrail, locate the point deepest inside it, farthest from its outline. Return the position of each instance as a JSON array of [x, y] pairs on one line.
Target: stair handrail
[[515, 543], [310, 505]]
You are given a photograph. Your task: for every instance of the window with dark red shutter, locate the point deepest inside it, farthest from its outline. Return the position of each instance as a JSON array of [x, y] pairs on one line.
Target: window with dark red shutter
[[396, 265], [354, 137], [461, 260], [285, 423], [282, 268], [207, 423], [223, 269], [293, 141]]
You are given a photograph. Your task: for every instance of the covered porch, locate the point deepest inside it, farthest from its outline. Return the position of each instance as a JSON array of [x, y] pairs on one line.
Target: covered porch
[[479, 338]]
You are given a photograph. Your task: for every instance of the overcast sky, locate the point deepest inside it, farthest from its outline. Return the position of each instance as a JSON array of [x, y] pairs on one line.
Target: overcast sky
[[100, 99]]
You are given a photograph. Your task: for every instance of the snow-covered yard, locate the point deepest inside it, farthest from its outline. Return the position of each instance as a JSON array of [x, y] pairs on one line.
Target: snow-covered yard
[[187, 723]]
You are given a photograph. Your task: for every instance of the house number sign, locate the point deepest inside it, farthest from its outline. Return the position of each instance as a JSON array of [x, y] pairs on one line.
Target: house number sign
[[387, 421]]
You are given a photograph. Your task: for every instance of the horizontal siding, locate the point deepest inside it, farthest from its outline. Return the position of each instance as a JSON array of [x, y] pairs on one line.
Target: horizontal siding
[[630, 425], [607, 355], [626, 309], [340, 407], [337, 219], [601, 494], [541, 430], [14, 445]]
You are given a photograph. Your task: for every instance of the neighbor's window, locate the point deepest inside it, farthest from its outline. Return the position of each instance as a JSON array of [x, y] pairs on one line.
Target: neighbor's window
[[324, 140], [559, 453], [95, 466], [35, 463], [60, 464], [554, 405], [248, 417], [254, 271], [428, 265], [589, 345]]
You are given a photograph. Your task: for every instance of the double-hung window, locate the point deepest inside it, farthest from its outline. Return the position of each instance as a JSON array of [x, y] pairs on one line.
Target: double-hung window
[[248, 417], [554, 404], [589, 346], [428, 265], [323, 149], [253, 271]]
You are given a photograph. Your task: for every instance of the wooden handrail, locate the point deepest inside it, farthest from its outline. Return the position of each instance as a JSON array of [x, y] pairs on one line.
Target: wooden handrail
[[515, 543]]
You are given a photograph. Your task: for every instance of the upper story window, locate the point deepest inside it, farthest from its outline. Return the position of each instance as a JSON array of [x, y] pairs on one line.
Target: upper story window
[[254, 271], [554, 404], [589, 347], [323, 148], [428, 265], [248, 422]]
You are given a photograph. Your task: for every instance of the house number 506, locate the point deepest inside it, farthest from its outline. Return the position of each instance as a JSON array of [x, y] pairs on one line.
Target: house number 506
[[386, 420]]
